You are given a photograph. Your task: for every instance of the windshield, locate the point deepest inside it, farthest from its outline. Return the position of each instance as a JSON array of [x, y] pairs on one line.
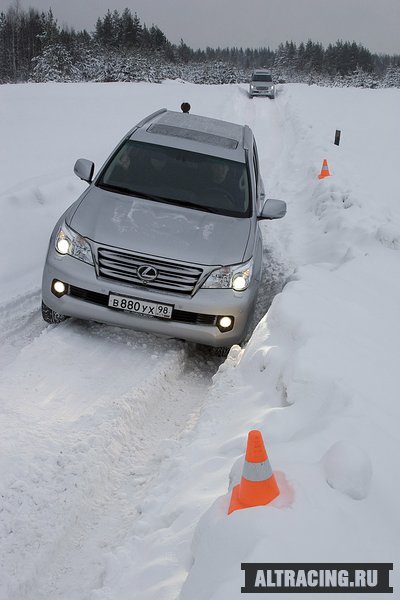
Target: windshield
[[262, 78], [180, 177]]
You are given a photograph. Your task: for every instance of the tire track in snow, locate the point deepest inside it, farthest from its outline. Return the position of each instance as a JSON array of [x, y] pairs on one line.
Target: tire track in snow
[[90, 413], [264, 116], [20, 323]]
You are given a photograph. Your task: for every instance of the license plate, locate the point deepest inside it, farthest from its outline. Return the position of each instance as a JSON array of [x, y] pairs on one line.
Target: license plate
[[141, 307]]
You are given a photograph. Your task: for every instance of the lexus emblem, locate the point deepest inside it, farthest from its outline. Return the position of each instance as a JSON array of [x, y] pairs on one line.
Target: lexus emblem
[[147, 273]]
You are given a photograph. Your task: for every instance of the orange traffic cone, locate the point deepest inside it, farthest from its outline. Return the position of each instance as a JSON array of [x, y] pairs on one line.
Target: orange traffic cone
[[258, 485], [324, 170]]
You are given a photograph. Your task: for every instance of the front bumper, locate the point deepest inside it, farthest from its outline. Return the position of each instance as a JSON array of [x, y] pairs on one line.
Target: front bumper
[[194, 317], [262, 91]]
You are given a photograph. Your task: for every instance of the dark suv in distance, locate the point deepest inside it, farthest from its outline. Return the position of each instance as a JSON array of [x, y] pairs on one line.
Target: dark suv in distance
[[166, 237]]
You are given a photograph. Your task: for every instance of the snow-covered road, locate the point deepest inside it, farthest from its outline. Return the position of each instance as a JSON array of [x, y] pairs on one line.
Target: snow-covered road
[[113, 444], [89, 412]]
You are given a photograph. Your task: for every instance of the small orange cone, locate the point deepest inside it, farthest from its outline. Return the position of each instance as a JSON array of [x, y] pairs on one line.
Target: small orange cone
[[324, 171], [258, 485]]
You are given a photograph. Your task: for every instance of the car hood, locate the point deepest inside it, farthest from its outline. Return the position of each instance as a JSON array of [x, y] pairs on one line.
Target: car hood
[[158, 229]]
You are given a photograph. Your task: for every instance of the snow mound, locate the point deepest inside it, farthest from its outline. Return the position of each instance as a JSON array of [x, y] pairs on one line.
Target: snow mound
[[348, 469]]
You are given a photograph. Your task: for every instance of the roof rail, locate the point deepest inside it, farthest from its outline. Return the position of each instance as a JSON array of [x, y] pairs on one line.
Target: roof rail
[[150, 117], [246, 137]]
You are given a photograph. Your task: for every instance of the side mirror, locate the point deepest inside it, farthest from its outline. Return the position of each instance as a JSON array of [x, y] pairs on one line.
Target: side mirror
[[84, 169], [273, 209]]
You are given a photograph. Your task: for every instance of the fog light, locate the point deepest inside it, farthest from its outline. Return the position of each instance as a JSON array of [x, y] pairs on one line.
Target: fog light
[[225, 323], [59, 288]]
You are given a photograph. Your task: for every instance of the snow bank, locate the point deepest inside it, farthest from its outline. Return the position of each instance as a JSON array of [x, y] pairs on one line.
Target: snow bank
[[319, 375]]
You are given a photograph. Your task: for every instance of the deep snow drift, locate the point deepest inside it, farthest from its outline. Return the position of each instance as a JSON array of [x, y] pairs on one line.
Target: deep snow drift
[[117, 449]]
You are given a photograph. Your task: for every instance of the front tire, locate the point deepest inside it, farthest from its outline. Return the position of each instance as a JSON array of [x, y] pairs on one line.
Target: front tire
[[51, 316]]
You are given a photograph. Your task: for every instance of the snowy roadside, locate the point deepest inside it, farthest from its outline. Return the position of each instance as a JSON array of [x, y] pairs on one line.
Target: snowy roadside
[[319, 376]]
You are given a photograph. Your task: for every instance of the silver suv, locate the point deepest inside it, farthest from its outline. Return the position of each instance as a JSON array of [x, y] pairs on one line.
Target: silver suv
[[166, 237], [261, 84]]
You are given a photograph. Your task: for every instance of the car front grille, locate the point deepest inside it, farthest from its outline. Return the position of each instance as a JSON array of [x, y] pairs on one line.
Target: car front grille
[[171, 277], [182, 316]]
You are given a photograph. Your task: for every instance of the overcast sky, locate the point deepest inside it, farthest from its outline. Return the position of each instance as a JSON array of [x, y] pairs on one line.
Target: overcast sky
[[246, 23]]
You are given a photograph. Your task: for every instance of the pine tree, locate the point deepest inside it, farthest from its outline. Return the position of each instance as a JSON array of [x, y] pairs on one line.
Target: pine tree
[[54, 64], [392, 76], [107, 36], [127, 29], [184, 52], [137, 31]]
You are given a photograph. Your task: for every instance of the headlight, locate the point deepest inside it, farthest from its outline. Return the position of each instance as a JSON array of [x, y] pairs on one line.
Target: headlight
[[236, 277], [70, 242]]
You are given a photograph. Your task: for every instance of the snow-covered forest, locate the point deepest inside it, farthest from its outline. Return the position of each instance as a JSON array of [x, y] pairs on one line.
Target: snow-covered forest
[[35, 48]]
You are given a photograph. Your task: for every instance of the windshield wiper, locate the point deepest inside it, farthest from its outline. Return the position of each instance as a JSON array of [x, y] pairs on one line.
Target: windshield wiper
[[123, 190], [114, 188], [184, 203], [187, 204]]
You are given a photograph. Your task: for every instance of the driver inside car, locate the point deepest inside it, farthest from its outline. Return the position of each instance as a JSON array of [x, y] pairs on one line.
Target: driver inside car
[[219, 172], [224, 186]]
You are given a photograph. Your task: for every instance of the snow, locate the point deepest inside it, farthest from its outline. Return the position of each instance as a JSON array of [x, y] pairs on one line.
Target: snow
[[118, 450]]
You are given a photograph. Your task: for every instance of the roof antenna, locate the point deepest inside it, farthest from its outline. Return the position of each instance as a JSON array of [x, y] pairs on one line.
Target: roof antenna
[[185, 107]]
